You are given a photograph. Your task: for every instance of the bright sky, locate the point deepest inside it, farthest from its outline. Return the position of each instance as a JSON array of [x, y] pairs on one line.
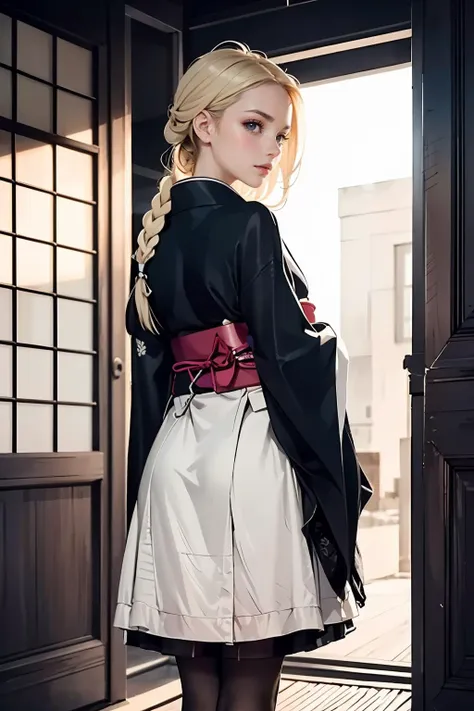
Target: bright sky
[[359, 131]]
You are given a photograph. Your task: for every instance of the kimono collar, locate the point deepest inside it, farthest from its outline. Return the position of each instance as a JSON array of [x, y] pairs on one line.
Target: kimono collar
[[199, 192]]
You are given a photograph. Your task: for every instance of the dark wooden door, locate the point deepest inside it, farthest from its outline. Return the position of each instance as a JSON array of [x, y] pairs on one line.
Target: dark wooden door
[[443, 563], [62, 418]]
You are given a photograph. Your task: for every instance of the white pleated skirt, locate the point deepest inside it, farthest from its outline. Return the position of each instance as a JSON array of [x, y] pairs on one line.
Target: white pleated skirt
[[215, 552]]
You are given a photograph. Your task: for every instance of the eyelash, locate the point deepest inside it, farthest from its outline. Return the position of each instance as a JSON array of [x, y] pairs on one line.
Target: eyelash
[[255, 122]]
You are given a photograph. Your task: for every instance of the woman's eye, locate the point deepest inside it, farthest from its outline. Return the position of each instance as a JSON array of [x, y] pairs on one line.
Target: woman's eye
[[257, 127], [252, 125]]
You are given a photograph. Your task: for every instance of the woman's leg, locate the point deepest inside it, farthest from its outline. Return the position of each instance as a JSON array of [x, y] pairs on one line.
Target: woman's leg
[[200, 683], [249, 684]]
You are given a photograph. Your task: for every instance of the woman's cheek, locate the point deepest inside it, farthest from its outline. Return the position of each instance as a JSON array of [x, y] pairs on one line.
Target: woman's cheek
[[245, 141]]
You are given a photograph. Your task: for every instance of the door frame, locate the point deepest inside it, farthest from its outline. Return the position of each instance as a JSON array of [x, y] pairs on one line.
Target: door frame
[[415, 365], [116, 336], [279, 29], [396, 49], [347, 59], [163, 19]]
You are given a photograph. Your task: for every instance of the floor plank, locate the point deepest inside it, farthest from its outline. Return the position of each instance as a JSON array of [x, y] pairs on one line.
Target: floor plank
[[404, 655], [309, 696], [285, 683], [335, 697]]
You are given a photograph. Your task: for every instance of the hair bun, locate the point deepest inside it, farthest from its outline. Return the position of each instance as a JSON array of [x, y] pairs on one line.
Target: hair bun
[[176, 127]]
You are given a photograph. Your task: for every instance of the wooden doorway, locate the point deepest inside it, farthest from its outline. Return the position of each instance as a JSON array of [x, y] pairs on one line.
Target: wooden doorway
[[443, 515], [61, 510]]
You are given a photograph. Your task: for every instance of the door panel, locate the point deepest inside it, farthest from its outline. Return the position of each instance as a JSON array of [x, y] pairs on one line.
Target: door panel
[[43, 608], [55, 391], [448, 584]]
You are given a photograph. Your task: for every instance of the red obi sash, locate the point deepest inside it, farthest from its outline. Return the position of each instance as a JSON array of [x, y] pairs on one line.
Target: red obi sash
[[218, 358], [221, 358]]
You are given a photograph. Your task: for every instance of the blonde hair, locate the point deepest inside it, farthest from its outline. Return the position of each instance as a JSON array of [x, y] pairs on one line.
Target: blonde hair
[[213, 82]]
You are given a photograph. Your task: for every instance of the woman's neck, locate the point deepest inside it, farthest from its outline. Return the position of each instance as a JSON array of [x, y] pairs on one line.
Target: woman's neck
[[206, 167]]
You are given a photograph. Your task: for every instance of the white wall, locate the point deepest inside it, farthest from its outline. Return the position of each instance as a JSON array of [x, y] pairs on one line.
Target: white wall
[[375, 218]]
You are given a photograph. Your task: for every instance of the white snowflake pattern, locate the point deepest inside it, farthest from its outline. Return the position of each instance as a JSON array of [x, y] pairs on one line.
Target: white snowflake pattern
[[141, 348]]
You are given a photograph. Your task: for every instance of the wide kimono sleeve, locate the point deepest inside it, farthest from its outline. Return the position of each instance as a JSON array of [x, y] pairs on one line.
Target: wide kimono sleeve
[[297, 363], [151, 364]]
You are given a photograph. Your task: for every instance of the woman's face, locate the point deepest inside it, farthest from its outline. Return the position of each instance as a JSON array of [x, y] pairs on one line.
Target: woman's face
[[246, 141]]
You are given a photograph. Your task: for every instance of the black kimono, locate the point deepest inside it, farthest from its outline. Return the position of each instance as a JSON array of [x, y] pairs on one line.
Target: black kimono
[[221, 258]]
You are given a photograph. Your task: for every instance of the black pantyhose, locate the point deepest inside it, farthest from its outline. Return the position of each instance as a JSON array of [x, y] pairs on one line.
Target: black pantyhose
[[249, 684], [229, 685], [200, 681]]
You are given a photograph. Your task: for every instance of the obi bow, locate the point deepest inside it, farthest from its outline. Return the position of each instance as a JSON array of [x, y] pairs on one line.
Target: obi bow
[[221, 365]]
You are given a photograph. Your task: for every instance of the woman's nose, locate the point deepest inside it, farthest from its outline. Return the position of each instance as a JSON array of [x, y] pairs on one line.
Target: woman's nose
[[274, 149]]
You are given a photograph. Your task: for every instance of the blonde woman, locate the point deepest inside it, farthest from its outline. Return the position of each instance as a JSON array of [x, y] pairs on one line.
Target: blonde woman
[[244, 485]]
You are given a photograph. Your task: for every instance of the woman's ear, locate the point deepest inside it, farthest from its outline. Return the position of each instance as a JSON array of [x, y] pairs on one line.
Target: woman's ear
[[204, 126]]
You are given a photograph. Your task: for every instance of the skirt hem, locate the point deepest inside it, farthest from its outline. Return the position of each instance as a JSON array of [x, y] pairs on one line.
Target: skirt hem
[[225, 630], [306, 640]]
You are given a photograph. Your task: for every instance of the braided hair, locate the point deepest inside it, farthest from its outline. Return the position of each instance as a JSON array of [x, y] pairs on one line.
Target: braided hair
[[153, 222], [213, 82]]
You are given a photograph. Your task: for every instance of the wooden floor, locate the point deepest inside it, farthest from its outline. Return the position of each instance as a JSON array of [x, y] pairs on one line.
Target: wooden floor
[[382, 629], [308, 696]]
